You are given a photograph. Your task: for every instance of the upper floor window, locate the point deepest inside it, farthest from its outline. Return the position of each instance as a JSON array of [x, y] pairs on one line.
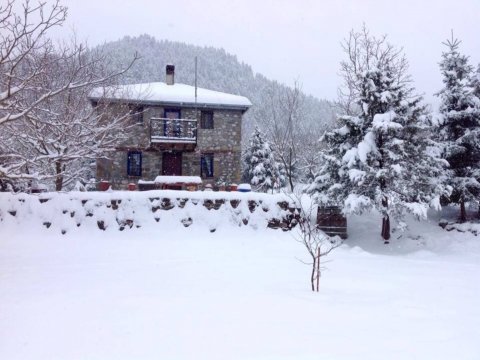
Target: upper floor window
[[134, 163], [172, 113], [206, 120], [136, 113]]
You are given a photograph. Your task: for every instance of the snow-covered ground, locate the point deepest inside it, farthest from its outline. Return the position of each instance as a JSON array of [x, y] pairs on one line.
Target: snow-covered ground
[[168, 292]]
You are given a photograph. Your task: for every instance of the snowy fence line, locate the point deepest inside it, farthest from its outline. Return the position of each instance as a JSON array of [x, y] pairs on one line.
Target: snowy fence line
[[65, 212]]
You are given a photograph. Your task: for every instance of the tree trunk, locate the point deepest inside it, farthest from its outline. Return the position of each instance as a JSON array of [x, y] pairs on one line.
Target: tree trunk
[[312, 277], [291, 182], [463, 213], [318, 269], [385, 223], [59, 176], [386, 229], [290, 175]]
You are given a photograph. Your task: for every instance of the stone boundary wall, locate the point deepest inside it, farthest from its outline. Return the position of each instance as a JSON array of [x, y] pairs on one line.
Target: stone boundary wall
[[120, 210]]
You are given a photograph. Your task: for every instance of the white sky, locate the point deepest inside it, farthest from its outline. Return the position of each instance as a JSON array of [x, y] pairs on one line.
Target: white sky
[[287, 40]]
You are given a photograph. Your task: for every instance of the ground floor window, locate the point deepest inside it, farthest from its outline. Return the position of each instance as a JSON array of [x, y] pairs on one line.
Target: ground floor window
[[134, 163], [206, 166]]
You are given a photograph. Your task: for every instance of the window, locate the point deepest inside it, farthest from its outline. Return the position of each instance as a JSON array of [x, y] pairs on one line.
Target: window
[[136, 113], [206, 120], [206, 166], [134, 163], [95, 109]]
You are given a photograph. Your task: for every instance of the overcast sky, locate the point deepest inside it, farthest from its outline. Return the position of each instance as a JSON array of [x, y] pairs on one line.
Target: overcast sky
[[287, 40]]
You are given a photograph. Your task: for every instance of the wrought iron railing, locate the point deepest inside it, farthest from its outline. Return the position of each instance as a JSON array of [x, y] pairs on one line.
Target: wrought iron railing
[[173, 130]]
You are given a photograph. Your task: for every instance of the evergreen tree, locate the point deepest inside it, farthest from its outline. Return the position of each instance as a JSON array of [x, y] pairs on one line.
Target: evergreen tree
[[476, 82], [460, 126], [381, 159], [263, 170], [282, 174]]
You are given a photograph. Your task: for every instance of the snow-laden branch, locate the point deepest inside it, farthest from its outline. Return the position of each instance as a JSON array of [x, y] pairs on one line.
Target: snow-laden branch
[[48, 128]]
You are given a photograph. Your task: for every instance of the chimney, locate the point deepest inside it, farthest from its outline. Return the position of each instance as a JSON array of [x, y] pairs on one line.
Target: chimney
[[170, 79]]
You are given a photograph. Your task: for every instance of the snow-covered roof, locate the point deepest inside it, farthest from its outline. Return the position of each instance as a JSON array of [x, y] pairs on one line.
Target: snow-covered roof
[[178, 94]]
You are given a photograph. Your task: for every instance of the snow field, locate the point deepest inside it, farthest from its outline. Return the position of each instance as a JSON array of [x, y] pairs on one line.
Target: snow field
[[184, 293]]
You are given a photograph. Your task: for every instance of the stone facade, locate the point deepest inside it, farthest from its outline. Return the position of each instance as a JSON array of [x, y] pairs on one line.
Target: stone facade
[[223, 142]]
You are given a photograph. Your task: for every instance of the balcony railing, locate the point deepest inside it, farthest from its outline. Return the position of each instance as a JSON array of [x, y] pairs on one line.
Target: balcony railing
[[164, 130]]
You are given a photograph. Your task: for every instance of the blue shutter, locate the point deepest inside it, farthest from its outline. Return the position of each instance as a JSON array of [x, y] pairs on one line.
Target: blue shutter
[[210, 165], [206, 165]]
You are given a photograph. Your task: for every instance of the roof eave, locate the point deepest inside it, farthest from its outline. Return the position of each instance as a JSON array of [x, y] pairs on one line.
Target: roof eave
[[173, 103]]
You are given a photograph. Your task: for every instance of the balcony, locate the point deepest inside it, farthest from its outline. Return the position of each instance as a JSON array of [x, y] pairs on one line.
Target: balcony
[[178, 134]]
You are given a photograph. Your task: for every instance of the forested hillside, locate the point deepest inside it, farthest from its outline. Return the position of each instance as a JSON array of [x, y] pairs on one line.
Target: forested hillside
[[217, 70]]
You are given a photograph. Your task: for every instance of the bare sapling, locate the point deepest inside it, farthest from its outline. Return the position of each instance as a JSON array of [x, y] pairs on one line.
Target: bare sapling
[[316, 242]]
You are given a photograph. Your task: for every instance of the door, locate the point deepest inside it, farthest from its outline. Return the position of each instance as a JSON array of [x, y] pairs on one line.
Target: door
[[172, 128], [172, 164]]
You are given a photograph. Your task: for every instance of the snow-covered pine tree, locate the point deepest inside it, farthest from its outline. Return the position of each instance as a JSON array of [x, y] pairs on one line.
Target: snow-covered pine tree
[[460, 126], [264, 172], [476, 82], [282, 174], [379, 159]]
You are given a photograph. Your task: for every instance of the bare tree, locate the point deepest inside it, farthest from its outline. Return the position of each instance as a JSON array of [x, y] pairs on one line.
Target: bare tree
[[316, 242], [309, 157], [364, 52], [48, 128], [58, 139], [289, 130], [285, 133], [23, 42]]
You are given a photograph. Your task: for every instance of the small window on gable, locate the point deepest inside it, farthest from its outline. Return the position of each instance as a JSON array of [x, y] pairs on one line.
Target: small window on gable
[[206, 166], [136, 113], [134, 163], [206, 120]]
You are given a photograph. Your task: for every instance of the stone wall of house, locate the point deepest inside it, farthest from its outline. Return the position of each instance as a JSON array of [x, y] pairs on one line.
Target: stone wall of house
[[226, 134], [226, 166], [223, 141], [114, 170]]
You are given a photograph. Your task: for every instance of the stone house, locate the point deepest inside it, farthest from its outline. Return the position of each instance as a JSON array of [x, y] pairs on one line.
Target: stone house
[[178, 130]]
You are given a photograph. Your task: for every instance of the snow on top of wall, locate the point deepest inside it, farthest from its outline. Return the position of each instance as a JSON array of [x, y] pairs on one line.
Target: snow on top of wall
[[145, 195], [173, 180], [159, 92], [245, 187], [117, 210]]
